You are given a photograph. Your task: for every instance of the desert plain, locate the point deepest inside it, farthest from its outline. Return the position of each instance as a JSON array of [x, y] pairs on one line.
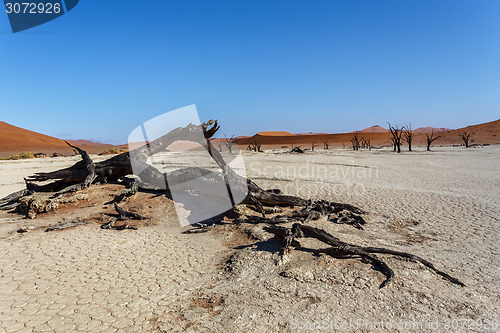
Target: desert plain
[[442, 205]]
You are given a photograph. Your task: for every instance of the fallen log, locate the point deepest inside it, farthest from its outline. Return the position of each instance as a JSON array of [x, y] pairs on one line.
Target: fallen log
[[12, 200]]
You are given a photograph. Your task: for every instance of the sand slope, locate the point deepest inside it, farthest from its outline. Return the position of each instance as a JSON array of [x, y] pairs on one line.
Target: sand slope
[[487, 133], [14, 140], [374, 129]]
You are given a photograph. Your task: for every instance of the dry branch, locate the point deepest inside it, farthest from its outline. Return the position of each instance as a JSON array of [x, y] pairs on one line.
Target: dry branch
[[229, 142], [396, 133], [66, 224], [465, 136], [408, 135], [287, 235], [430, 139]]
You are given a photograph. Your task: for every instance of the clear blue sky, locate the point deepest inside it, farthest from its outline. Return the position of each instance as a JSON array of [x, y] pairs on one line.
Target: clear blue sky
[[322, 66]]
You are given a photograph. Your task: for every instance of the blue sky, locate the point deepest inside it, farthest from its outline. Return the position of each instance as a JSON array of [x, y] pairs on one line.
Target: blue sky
[[323, 66]]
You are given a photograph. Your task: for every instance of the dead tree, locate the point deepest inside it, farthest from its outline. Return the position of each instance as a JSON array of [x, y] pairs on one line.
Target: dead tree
[[255, 145], [229, 143], [296, 149], [465, 136], [313, 145], [326, 144], [408, 135], [355, 140], [396, 137], [366, 144], [219, 145], [430, 139], [301, 210]]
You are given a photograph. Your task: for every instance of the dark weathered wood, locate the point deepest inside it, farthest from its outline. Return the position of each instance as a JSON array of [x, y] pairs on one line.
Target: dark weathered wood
[[132, 188], [126, 215], [465, 136], [338, 247], [355, 140], [12, 200], [430, 139], [297, 150], [396, 133], [110, 224], [408, 135], [66, 225]]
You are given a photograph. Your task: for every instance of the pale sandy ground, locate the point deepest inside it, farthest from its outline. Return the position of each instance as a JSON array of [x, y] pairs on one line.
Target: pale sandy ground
[[443, 206]]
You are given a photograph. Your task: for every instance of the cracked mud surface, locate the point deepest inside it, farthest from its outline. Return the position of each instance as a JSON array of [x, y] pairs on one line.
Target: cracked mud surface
[[442, 206]]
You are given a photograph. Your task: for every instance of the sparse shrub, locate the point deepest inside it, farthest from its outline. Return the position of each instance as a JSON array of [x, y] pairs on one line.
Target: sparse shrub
[[114, 151], [22, 156]]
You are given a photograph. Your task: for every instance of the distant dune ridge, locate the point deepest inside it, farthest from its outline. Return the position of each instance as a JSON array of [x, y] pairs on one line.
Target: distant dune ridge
[[275, 133], [374, 129], [380, 129], [430, 129], [487, 133], [14, 140], [311, 133]]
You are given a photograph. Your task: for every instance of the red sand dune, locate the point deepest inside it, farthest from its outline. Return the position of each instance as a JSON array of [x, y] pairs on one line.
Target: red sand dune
[[311, 133], [275, 133], [487, 133], [380, 129], [374, 129], [430, 129], [241, 137], [14, 140]]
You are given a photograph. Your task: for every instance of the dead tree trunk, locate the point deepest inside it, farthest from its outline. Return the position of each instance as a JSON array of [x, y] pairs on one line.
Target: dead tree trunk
[[430, 139], [465, 136], [313, 145], [255, 145], [219, 145], [355, 140], [229, 143], [396, 137], [366, 143], [408, 135]]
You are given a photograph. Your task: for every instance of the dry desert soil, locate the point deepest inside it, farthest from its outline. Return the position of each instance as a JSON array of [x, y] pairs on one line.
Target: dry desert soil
[[441, 205]]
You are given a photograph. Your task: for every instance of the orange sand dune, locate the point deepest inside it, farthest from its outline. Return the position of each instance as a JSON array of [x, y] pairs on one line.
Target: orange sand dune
[[14, 140], [374, 129], [430, 129], [487, 133], [311, 133], [380, 129], [275, 133]]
